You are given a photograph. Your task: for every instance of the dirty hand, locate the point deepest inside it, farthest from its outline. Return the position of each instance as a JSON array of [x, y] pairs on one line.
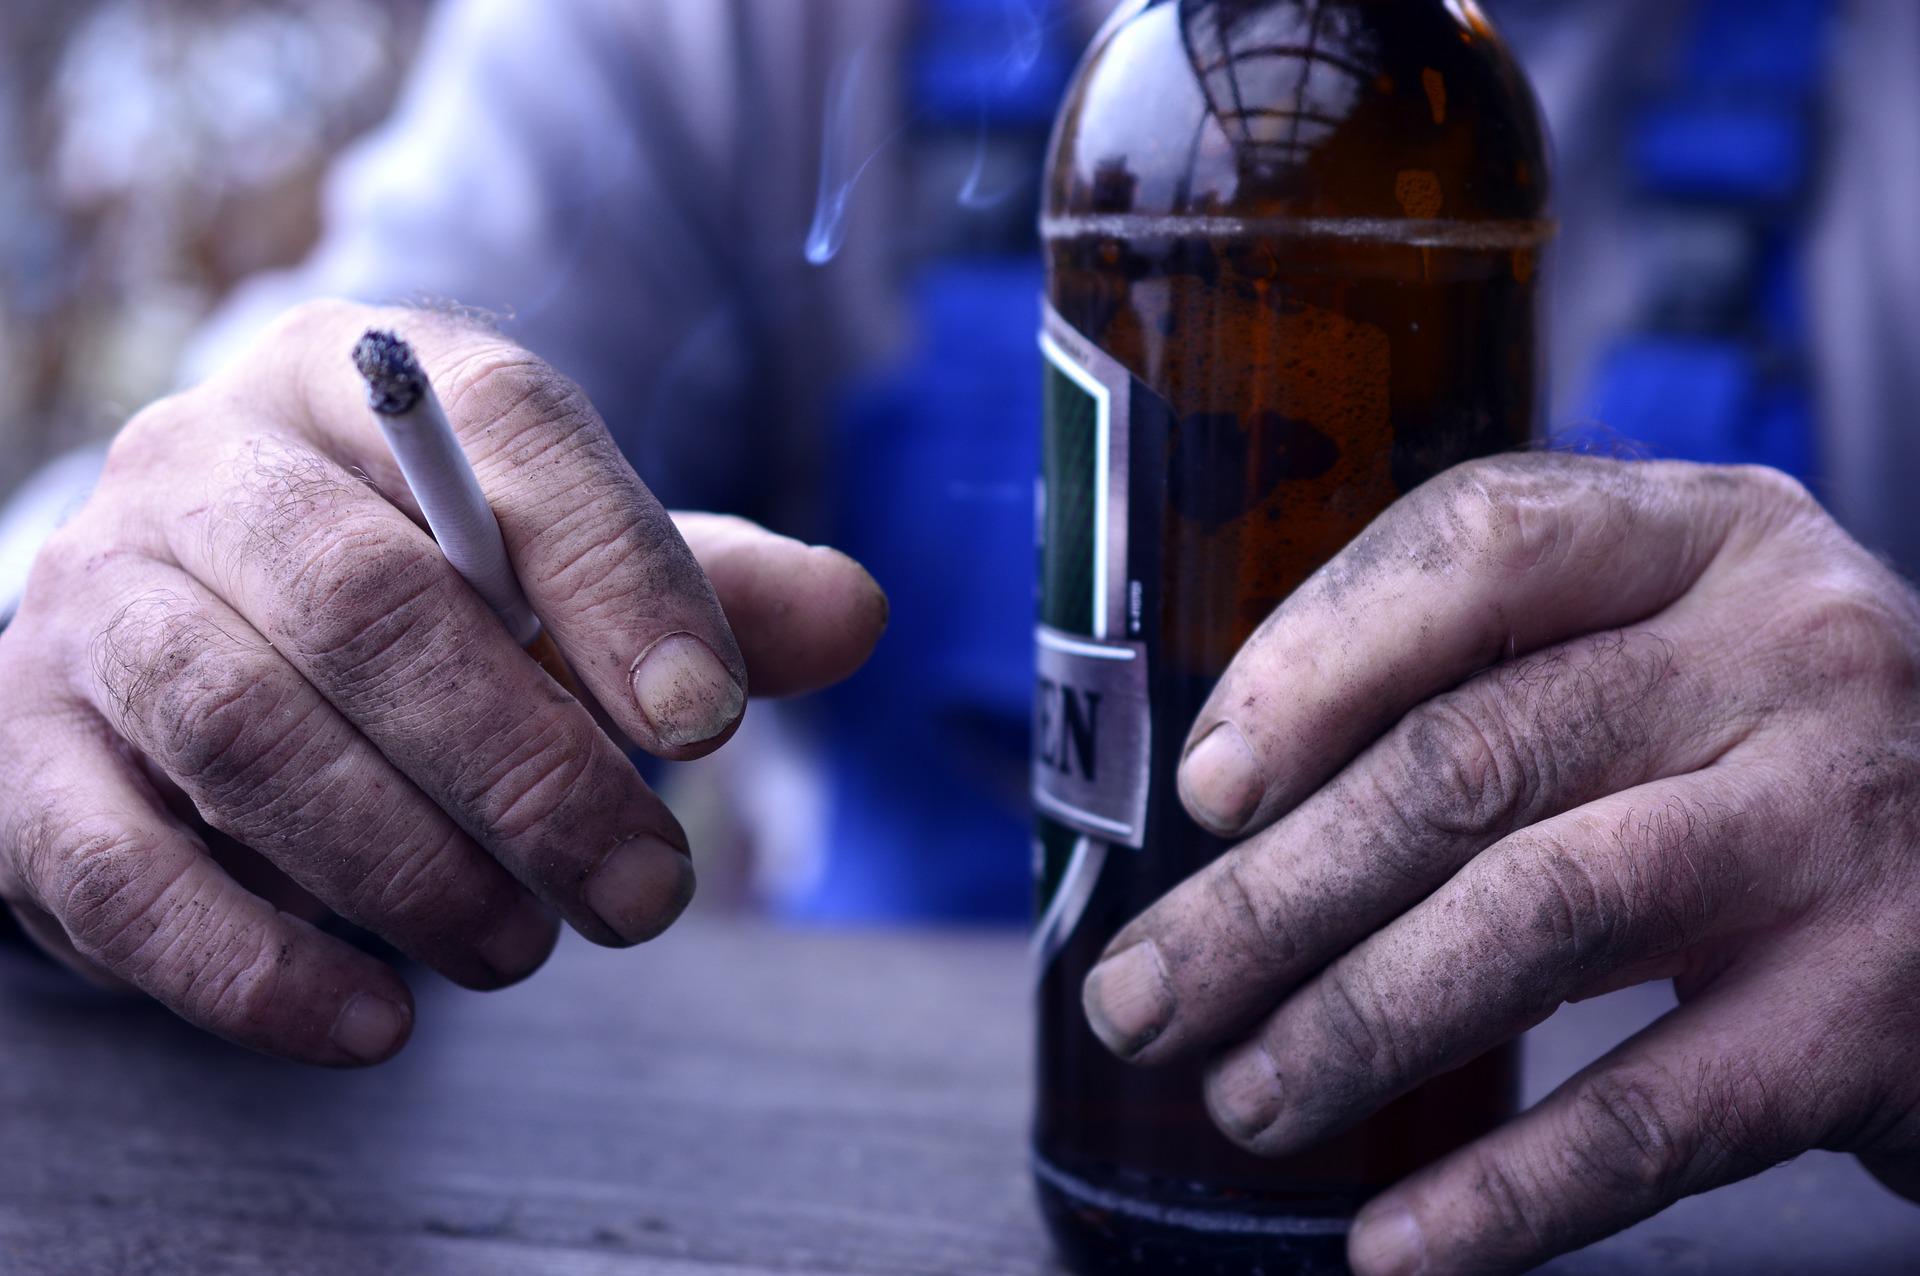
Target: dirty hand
[[246, 639], [1550, 727]]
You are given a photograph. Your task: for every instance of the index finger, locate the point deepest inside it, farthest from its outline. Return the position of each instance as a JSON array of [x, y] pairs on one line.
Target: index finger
[[1494, 559], [599, 558]]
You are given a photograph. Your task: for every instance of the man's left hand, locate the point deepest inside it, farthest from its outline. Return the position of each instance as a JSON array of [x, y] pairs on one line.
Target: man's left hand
[[1550, 727]]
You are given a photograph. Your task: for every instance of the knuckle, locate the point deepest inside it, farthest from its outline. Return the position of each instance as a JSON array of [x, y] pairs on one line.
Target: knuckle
[[602, 564], [110, 886], [417, 888], [156, 433], [302, 325], [502, 390], [1580, 709], [536, 778], [211, 711], [65, 560], [279, 493], [602, 545], [1568, 901], [1872, 789], [222, 722], [141, 646], [1566, 905], [1679, 856], [237, 987], [1358, 1029], [1253, 912], [1854, 635], [1461, 769], [291, 790], [1604, 895], [1511, 1204], [1751, 1111], [1501, 516], [1625, 1140], [355, 590], [1776, 489]]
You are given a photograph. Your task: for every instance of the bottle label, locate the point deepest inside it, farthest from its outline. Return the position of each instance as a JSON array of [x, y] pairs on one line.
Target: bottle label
[[1092, 719]]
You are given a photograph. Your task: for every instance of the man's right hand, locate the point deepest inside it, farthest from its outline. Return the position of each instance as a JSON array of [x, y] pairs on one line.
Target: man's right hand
[[247, 635]]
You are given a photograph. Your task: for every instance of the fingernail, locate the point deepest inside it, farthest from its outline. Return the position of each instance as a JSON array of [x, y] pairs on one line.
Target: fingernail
[[1387, 1244], [369, 1027], [641, 887], [1129, 999], [520, 942], [1243, 1094], [1221, 781], [686, 693]]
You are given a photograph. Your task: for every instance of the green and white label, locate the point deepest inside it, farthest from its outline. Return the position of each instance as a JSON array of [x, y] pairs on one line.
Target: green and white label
[[1092, 725], [1092, 741]]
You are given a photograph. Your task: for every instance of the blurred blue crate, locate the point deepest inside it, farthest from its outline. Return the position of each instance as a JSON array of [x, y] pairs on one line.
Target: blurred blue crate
[[1783, 315], [1695, 399], [1004, 61], [928, 746], [1773, 45], [1757, 152]]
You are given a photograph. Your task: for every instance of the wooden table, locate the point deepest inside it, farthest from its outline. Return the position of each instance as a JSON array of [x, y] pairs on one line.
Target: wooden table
[[735, 1099]]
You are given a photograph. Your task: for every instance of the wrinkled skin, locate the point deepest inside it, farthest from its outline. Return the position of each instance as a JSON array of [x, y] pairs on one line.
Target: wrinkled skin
[[245, 661], [1551, 727]]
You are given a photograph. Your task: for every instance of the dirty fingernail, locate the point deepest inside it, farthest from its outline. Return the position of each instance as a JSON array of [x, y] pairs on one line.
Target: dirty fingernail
[[520, 942], [1129, 999], [370, 1028], [1243, 1094], [1387, 1244], [685, 692], [641, 887], [1221, 781]]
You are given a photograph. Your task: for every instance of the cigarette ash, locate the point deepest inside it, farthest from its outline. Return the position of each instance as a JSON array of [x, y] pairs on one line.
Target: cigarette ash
[[395, 382]]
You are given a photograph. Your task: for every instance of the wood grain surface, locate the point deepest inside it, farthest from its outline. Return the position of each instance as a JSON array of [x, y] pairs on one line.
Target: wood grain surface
[[734, 1099]]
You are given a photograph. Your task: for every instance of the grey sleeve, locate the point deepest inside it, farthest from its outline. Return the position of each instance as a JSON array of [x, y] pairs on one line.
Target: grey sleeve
[[625, 187], [566, 169]]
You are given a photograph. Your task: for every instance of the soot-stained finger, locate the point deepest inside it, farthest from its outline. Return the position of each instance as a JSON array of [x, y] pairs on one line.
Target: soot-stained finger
[[1522, 743], [1635, 877], [358, 600], [1718, 1090], [1495, 559], [136, 895], [805, 616], [265, 759], [599, 558]]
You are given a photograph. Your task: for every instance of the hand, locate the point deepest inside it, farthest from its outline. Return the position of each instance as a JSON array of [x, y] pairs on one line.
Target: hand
[[1640, 721], [247, 626]]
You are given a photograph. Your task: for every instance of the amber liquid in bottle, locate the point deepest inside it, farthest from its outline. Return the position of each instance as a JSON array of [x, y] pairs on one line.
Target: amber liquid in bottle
[[1310, 232]]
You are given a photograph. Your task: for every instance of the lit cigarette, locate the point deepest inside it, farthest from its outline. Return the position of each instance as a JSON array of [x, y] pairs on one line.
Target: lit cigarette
[[443, 482]]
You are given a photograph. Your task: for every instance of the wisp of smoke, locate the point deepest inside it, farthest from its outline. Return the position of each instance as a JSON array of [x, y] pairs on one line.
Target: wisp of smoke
[[1026, 41], [1027, 25], [972, 196], [1026, 38], [838, 176]]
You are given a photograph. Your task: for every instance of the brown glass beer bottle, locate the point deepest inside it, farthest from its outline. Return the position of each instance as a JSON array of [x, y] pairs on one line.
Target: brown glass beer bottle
[[1293, 254]]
